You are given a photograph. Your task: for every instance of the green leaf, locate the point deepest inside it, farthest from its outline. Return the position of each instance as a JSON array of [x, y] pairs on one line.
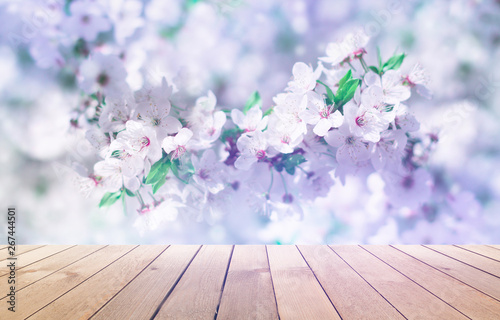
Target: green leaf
[[394, 62], [345, 78], [158, 171], [379, 58], [346, 92], [374, 69], [129, 193], [329, 93], [268, 111], [230, 133], [252, 101], [109, 198], [158, 185]]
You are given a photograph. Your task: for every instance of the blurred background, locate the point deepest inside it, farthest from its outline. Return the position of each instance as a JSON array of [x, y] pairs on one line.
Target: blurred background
[[234, 47]]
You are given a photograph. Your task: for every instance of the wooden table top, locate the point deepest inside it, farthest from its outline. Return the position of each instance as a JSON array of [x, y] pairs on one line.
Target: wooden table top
[[252, 282]]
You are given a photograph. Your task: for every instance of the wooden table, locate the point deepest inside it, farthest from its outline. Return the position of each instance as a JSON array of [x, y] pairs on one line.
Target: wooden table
[[253, 282]]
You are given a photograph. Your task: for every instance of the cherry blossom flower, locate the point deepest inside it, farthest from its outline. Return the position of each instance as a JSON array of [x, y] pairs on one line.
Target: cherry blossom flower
[[86, 20], [288, 109], [251, 121], [116, 173], [364, 121], [408, 189], [405, 120], [320, 115], [304, 78], [126, 18], [141, 139], [177, 144], [153, 109], [392, 84], [283, 138], [116, 112], [351, 149], [350, 47], [419, 79], [389, 150], [209, 172], [104, 73], [252, 149]]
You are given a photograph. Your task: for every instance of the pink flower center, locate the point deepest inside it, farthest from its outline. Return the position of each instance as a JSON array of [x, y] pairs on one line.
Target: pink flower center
[[261, 154], [285, 140], [361, 121], [179, 151], [325, 113], [145, 142]]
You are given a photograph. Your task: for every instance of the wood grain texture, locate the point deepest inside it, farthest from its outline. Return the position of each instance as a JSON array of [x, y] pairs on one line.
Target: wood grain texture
[[36, 255], [141, 297], [36, 296], [470, 258], [198, 292], [82, 301], [353, 297], [298, 293], [45, 267], [486, 251], [408, 297], [248, 292], [462, 297], [474, 277], [496, 246], [20, 249]]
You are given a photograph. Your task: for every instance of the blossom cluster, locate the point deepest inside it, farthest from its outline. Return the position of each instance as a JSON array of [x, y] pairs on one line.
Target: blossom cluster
[[339, 119]]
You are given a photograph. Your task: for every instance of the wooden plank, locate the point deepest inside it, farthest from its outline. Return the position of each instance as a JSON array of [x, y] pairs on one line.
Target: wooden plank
[[20, 249], [352, 296], [464, 298], [496, 246], [82, 301], [470, 258], [4, 246], [476, 278], [248, 292], [483, 250], [198, 293], [298, 293], [409, 298], [45, 267], [36, 296], [141, 297], [36, 255]]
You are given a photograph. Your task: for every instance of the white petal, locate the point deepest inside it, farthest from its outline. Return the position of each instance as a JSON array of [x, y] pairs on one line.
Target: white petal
[[245, 161], [183, 136], [169, 144], [335, 138], [322, 127]]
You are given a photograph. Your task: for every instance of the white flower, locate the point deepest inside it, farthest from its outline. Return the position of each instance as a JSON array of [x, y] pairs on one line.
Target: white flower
[[116, 113], [316, 183], [351, 149], [114, 173], [99, 140], [405, 120], [391, 82], [126, 17], [178, 143], [419, 79], [204, 122], [282, 137], [132, 162], [209, 172], [389, 150], [105, 74], [288, 108], [141, 140], [304, 78], [252, 149], [320, 115], [350, 47], [153, 109], [86, 20], [408, 189], [250, 122]]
